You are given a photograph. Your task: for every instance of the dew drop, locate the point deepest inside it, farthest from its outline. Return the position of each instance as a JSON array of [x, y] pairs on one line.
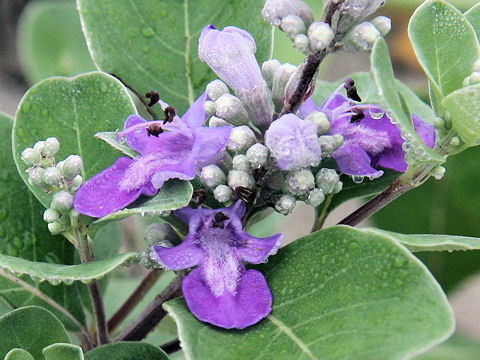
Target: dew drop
[[357, 179], [376, 115], [148, 32]]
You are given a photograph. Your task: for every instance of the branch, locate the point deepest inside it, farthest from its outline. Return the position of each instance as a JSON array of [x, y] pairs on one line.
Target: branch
[[134, 299], [153, 313]]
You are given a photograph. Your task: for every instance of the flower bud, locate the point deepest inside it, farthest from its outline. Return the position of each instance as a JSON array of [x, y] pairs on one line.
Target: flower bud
[[328, 144], [222, 193], [285, 204], [269, 68], [362, 37], [292, 25], [159, 232], [231, 109], [301, 43], [51, 215], [31, 157], [299, 182], [52, 176], [438, 123], [62, 201], [240, 163], [241, 138], [456, 141], [315, 197], [476, 65], [320, 35], [72, 166], [212, 176], [326, 180], [56, 227], [321, 120], [35, 177], [217, 122], [76, 183], [275, 10], [52, 146], [438, 172], [40, 147], [216, 88], [74, 218], [475, 78], [338, 139], [257, 155], [209, 107], [280, 80], [383, 24], [238, 178], [338, 187]]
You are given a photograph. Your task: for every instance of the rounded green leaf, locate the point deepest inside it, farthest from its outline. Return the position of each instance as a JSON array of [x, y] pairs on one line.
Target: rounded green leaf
[[63, 352], [338, 294], [126, 351], [51, 41], [473, 17], [455, 348], [73, 110], [153, 45], [31, 328], [445, 44], [18, 354]]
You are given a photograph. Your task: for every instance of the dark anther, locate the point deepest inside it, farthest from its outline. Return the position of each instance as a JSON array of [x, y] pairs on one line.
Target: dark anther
[[358, 115], [220, 217], [154, 129], [244, 194], [153, 96], [351, 90], [198, 197], [170, 113]]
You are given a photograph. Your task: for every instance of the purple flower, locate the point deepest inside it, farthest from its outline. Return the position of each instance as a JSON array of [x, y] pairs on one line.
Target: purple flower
[[293, 142], [220, 290], [230, 53], [373, 141], [178, 152]]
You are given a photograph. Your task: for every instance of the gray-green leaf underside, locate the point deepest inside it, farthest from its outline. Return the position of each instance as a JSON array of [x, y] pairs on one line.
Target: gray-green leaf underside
[[126, 351]]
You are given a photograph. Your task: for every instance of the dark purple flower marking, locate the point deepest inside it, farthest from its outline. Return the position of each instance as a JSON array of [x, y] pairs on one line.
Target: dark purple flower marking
[[220, 290], [371, 142], [178, 152]]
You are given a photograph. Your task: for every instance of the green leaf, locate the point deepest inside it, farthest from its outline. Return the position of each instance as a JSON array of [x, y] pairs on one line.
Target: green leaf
[[175, 194], [464, 108], [30, 328], [18, 354], [111, 139], [126, 351], [63, 352], [429, 242], [415, 104], [473, 16], [339, 293], [73, 110], [457, 347], [445, 44], [56, 274], [51, 41], [383, 74], [152, 45]]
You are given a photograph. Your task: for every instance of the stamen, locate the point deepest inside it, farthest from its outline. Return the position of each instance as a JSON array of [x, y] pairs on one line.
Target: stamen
[[153, 96], [220, 217], [351, 90], [244, 194], [169, 114], [136, 127], [198, 197]]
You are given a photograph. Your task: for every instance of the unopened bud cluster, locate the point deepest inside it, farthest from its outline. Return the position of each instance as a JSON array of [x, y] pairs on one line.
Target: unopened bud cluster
[[364, 35], [60, 179]]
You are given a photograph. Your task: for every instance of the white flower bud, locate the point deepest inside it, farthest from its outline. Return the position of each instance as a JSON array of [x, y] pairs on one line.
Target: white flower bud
[[285, 204], [438, 123], [216, 88], [157, 232], [328, 144], [321, 120], [72, 166], [275, 10], [438, 172], [364, 35], [209, 107], [292, 25], [35, 177], [56, 227], [241, 138], [231, 109], [300, 182], [326, 180], [475, 78], [217, 122], [338, 139], [383, 24], [31, 157], [76, 183], [269, 68], [280, 80], [338, 187], [241, 163], [257, 155], [52, 146], [52, 176], [51, 215], [456, 141], [315, 197], [40, 147], [301, 43], [212, 176], [62, 201], [320, 35], [238, 178], [222, 193]]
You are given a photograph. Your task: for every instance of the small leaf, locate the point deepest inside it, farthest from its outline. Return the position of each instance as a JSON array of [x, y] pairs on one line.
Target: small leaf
[[463, 107], [457, 347], [18, 354], [153, 45], [51, 41], [339, 293], [445, 44], [429, 242], [63, 352], [31, 328], [111, 139], [175, 194], [473, 17], [73, 110], [126, 351], [56, 274], [383, 74]]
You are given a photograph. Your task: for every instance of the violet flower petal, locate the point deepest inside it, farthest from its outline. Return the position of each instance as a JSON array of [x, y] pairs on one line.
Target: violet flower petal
[[353, 160], [256, 250], [425, 130], [307, 107], [251, 302], [209, 144], [183, 170], [182, 256]]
